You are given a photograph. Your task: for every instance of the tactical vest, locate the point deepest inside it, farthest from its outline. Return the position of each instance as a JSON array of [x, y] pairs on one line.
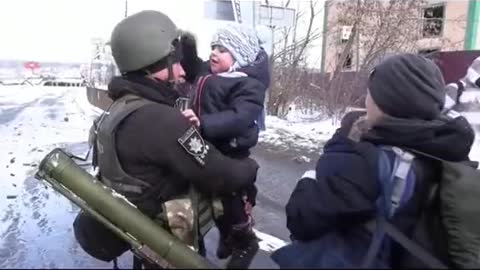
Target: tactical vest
[[112, 173], [188, 217]]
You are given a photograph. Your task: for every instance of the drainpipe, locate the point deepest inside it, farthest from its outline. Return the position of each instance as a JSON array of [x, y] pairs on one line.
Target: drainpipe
[[472, 25]]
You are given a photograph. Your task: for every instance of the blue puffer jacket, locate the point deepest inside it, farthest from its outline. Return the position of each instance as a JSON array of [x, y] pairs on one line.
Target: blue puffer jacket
[[229, 105]]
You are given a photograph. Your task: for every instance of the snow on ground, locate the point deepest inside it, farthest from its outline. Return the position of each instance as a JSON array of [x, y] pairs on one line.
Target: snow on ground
[[33, 123], [297, 131]]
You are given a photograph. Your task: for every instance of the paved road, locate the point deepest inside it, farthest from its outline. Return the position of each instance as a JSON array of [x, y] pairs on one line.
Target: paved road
[[35, 222]]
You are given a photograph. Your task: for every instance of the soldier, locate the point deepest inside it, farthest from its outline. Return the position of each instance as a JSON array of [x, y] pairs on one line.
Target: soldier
[[144, 147]]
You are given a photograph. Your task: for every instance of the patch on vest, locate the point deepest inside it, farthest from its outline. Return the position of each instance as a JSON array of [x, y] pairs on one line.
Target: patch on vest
[[194, 144]]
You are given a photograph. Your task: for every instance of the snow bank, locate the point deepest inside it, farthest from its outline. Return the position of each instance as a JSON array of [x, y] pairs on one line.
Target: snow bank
[[298, 131]]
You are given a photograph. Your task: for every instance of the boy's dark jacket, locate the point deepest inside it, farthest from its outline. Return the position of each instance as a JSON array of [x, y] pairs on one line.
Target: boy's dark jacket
[[343, 195]]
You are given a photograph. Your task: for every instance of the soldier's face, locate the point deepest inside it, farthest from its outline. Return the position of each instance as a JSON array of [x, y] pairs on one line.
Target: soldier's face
[[220, 60], [177, 70]]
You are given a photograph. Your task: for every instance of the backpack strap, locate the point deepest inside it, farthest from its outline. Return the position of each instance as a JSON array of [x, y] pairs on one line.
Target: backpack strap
[[416, 250], [395, 182], [399, 195], [402, 169]]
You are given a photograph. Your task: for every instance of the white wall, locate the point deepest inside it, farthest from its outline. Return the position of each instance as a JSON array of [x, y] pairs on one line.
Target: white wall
[[190, 15], [187, 15], [302, 10], [62, 30]]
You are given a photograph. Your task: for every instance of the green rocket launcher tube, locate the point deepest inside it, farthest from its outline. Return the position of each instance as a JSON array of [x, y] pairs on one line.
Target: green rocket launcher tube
[[117, 213]]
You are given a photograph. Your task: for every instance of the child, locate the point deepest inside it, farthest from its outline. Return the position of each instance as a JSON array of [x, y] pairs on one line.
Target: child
[[227, 102]]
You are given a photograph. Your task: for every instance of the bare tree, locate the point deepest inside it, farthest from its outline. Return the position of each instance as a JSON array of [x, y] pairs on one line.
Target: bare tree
[[378, 29], [289, 59]]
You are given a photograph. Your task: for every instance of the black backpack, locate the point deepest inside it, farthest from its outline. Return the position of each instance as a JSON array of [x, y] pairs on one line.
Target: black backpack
[[458, 191]]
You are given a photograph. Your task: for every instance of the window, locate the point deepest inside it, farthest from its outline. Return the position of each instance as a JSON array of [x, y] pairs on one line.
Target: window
[[219, 10], [433, 18], [347, 64]]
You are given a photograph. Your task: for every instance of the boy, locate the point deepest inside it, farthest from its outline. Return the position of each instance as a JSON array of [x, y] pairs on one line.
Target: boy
[[228, 99]]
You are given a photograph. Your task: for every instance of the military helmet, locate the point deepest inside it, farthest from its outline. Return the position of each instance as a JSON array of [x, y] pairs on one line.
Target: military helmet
[[143, 39]]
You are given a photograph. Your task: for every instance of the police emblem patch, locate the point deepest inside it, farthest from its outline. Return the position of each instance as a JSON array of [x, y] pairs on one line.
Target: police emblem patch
[[194, 144]]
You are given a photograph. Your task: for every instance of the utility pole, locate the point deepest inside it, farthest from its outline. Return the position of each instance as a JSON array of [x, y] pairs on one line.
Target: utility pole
[[126, 8], [324, 38], [272, 51], [472, 25]]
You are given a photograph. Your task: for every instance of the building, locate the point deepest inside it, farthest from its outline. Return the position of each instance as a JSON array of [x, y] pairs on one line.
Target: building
[[203, 17], [436, 26]]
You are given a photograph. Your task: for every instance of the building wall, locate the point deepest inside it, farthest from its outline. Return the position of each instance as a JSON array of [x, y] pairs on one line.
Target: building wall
[[452, 38], [191, 15], [455, 25], [332, 39]]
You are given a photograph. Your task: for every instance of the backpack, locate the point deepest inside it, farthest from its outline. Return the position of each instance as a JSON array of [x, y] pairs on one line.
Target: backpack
[[458, 191]]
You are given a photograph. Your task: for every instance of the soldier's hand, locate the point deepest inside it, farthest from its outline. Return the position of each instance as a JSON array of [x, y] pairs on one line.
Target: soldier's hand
[[192, 117]]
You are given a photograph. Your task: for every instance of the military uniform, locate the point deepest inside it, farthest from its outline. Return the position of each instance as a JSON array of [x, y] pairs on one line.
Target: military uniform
[[146, 149], [157, 144]]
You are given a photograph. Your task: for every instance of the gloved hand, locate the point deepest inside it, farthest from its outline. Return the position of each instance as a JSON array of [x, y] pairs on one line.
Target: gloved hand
[[189, 44], [349, 119], [190, 61]]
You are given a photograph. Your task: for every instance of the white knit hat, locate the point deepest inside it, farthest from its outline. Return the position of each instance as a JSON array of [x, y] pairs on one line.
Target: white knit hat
[[240, 40]]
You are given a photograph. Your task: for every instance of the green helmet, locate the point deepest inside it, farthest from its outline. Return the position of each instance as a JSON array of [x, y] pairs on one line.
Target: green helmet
[[142, 39]]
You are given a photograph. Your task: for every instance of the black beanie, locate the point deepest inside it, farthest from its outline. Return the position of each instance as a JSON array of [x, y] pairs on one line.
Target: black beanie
[[408, 86]]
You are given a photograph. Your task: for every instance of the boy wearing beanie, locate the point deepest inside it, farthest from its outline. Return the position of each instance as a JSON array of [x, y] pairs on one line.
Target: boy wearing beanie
[[330, 206]]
